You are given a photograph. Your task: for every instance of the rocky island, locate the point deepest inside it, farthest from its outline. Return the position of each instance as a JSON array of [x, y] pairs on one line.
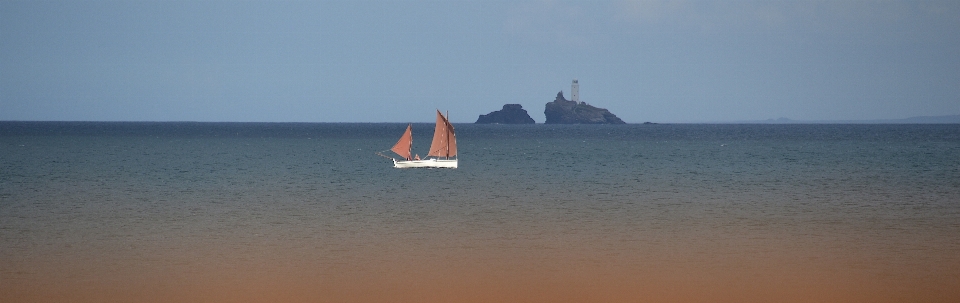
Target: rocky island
[[563, 111], [510, 114]]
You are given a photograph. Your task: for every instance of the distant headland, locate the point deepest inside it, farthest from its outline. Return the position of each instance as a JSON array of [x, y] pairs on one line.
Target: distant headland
[[560, 111], [947, 119], [510, 114], [563, 111]]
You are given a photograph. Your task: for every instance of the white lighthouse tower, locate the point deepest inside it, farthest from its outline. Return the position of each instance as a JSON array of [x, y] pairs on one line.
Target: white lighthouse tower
[[575, 91]]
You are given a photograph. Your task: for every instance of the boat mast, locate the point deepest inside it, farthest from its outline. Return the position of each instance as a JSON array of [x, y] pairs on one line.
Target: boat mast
[[447, 122]]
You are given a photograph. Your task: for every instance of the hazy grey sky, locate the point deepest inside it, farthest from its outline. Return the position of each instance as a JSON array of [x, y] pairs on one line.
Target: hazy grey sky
[[397, 61]]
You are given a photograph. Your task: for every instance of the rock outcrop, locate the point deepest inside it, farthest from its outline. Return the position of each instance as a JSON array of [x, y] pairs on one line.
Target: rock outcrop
[[562, 111], [510, 114]]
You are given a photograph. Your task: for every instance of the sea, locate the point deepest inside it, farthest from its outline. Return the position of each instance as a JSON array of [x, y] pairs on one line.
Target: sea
[[308, 212]]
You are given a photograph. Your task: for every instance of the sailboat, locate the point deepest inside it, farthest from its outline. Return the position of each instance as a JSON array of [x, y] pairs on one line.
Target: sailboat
[[443, 149]]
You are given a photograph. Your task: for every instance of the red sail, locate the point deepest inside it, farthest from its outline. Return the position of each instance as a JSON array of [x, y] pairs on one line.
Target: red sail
[[402, 147], [444, 143], [452, 143]]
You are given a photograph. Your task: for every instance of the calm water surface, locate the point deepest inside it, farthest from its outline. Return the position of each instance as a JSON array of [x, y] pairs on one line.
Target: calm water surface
[[237, 212]]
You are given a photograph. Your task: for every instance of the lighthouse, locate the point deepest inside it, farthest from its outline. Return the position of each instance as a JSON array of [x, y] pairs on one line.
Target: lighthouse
[[575, 91]]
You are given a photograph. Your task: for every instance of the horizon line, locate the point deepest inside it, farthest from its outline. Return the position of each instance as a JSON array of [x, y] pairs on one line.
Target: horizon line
[[944, 119]]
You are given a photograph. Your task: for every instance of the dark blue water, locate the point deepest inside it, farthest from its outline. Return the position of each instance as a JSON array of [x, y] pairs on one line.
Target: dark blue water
[[82, 201]]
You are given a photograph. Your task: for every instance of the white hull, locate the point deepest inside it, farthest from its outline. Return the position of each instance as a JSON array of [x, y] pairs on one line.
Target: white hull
[[440, 163]]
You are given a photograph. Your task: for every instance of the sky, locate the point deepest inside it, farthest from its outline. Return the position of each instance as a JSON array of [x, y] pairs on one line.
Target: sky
[[396, 61]]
